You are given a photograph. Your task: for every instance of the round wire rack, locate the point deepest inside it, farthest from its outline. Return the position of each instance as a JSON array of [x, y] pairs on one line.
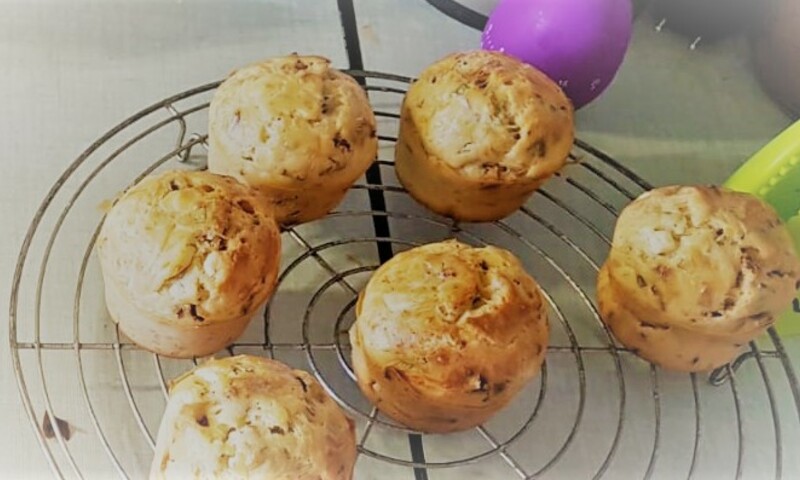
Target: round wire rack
[[95, 399]]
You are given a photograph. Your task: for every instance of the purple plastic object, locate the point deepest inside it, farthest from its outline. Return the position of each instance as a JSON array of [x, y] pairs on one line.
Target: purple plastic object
[[578, 43]]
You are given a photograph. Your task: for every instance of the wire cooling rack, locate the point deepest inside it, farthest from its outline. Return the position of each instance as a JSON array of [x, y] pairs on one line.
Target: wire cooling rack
[[95, 399]]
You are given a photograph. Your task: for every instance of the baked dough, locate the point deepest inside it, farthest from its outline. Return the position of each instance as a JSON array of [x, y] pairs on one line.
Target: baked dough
[[187, 258], [674, 348], [447, 334], [250, 417], [695, 273], [295, 128], [479, 132]]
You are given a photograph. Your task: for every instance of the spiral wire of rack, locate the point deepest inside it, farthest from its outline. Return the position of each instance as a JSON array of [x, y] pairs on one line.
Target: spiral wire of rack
[[564, 230]]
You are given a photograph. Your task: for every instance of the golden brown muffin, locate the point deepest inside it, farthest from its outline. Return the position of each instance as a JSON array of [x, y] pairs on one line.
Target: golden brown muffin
[[694, 273], [297, 129], [250, 417], [447, 334], [674, 348], [479, 132], [187, 259]]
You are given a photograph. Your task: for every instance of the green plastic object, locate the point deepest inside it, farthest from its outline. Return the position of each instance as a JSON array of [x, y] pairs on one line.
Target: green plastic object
[[773, 174]]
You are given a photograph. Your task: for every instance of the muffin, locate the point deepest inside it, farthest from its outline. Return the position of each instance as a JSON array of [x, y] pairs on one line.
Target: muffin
[[250, 417], [187, 258], [479, 132], [447, 334], [694, 274], [295, 128]]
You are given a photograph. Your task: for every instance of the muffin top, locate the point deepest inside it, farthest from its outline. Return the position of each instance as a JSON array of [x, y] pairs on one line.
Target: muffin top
[[453, 319], [248, 416], [191, 247], [290, 122], [489, 116], [704, 258]]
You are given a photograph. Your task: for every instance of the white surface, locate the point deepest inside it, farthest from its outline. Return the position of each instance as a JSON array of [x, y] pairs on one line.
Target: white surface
[[73, 69]]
